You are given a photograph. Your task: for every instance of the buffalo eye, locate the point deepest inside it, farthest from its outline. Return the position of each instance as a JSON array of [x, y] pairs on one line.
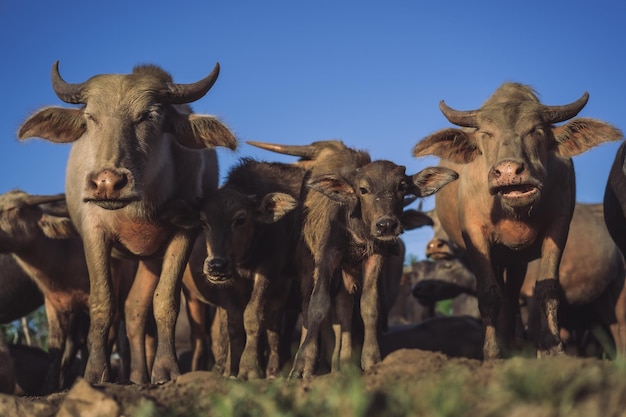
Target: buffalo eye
[[485, 134], [403, 187], [151, 115], [363, 190], [239, 220]]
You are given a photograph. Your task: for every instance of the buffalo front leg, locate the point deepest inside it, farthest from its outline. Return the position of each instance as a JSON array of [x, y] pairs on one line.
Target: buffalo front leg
[[318, 310], [342, 329], [196, 314], [253, 318], [166, 302], [137, 309], [547, 292], [101, 305], [58, 331], [369, 311]]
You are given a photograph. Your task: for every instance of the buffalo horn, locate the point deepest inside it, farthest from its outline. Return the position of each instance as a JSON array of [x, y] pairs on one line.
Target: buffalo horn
[[457, 117], [556, 114], [303, 151], [69, 93], [188, 93]]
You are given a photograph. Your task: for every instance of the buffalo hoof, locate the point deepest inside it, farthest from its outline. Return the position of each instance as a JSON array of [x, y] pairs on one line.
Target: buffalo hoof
[[249, 374], [557, 350], [163, 374]]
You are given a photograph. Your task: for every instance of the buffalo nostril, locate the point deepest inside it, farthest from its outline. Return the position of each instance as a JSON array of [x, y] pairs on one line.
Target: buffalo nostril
[[107, 183], [121, 183], [386, 225], [217, 264]]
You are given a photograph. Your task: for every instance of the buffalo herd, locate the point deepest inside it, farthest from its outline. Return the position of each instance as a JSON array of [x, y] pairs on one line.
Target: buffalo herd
[[306, 253]]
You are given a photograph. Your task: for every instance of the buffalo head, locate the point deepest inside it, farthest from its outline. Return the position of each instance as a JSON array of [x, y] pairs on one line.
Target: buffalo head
[[126, 128], [24, 218], [513, 134], [376, 194]]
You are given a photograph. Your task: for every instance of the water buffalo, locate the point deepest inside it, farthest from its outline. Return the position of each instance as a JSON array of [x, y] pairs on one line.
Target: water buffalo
[[614, 209], [136, 147], [514, 200], [251, 231], [353, 215], [40, 237]]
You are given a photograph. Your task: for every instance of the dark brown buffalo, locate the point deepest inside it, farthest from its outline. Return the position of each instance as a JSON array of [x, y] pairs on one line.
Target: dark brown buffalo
[[38, 234], [135, 149], [353, 215], [251, 233], [614, 209], [228, 298], [514, 200]]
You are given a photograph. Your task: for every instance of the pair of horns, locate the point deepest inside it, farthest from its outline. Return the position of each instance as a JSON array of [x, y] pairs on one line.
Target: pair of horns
[[177, 94]]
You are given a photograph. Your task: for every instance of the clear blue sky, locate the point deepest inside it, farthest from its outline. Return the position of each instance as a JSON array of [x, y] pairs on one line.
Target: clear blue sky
[[368, 72]]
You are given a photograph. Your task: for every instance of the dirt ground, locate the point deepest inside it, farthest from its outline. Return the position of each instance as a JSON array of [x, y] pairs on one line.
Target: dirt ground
[[432, 382]]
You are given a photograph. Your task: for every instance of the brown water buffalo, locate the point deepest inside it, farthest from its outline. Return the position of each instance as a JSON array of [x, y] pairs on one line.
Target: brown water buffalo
[[514, 200], [251, 233], [40, 237], [353, 215], [136, 147], [591, 274]]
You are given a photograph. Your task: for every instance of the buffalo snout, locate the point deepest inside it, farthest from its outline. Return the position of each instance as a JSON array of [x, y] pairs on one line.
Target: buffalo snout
[[438, 249], [109, 184], [507, 172], [387, 227], [217, 269]]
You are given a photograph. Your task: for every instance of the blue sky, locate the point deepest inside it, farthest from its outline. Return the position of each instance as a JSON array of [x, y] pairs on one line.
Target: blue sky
[[368, 72]]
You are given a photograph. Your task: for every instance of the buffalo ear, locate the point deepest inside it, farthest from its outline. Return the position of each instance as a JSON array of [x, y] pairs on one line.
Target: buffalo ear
[[334, 187], [198, 131], [581, 134], [56, 227], [274, 206], [180, 214], [55, 124], [455, 145], [412, 219], [429, 180]]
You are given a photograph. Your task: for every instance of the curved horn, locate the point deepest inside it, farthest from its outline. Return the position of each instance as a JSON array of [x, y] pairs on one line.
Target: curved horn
[[459, 118], [303, 151], [69, 93], [188, 93], [556, 114], [33, 200]]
